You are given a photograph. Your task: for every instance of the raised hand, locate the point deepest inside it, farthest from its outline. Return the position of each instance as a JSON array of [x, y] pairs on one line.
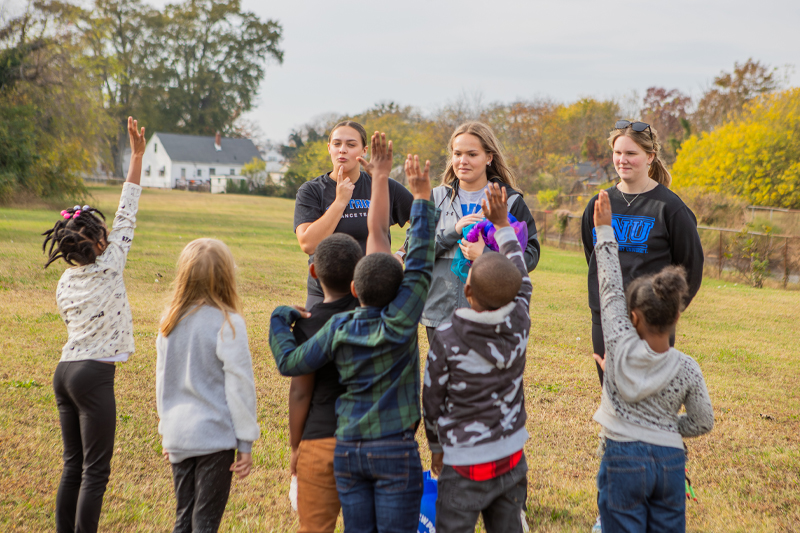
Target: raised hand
[[344, 188], [138, 142], [380, 160], [495, 205], [602, 210], [419, 181]]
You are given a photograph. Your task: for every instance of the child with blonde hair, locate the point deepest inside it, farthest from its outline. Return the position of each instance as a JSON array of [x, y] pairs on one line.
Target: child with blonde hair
[[205, 390], [93, 303]]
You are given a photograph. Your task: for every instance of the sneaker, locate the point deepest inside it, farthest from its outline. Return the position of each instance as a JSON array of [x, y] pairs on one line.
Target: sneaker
[[597, 528]]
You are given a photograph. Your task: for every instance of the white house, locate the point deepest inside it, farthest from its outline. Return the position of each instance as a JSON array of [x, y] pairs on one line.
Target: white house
[[172, 160]]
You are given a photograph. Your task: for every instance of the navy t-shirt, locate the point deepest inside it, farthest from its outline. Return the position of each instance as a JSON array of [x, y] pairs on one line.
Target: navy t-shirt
[[316, 196], [321, 420]]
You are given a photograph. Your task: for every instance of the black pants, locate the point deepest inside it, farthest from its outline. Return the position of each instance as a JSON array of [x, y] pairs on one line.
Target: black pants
[[599, 345], [202, 486], [84, 393], [499, 500]]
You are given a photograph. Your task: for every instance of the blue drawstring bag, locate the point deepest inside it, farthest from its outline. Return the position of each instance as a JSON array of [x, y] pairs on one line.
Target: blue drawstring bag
[[427, 509]]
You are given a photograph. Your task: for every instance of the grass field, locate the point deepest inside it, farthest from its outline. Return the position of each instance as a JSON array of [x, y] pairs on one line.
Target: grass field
[[746, 472]]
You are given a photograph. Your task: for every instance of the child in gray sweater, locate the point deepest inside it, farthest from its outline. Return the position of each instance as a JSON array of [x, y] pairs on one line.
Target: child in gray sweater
[[205, 391], [641, 478]]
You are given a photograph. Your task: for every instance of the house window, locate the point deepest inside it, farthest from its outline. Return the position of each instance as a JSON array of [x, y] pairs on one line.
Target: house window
[[147, 171], [199, 173], [212, 172], [233, 172], [155, 147], [183, 172], [162, 171]]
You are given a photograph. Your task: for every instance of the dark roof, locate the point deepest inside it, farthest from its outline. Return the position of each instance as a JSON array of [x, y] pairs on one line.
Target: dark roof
[[200, 149]]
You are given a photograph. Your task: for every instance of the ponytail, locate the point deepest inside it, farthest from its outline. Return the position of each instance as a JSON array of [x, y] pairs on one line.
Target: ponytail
[[659, 173], [660, 297]]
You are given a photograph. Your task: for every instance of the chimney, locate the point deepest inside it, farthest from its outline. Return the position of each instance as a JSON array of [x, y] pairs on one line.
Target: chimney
[[218, 142]]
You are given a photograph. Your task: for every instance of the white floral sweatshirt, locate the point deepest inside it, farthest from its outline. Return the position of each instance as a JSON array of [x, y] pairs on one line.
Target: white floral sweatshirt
[[92, 299]]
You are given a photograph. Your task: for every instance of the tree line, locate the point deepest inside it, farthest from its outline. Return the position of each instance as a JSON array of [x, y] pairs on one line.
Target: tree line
[[71, 75], [545, 139]]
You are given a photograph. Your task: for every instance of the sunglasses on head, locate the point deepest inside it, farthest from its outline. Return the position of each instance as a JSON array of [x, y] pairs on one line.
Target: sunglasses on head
[[635, 126]]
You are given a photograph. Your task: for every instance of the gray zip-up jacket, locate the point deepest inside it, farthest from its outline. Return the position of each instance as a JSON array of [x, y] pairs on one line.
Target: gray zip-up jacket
[[473, 398], [643, 390], [447, 291]]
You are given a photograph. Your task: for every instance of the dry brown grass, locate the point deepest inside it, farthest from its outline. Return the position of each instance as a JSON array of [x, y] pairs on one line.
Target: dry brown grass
[[747, 471]]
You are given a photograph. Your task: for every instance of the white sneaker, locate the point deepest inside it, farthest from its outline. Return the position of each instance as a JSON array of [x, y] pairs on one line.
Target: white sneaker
[[597, 527]]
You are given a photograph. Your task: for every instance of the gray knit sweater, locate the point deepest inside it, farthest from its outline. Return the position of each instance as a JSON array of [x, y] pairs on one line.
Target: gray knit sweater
[[643, 390], [205, 391]]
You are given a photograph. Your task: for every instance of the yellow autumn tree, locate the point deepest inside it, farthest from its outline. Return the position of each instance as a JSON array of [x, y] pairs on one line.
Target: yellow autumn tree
[[756, 156]]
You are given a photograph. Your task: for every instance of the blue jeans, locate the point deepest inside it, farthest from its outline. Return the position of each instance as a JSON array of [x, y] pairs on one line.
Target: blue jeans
[[379, 484], [641, 488]]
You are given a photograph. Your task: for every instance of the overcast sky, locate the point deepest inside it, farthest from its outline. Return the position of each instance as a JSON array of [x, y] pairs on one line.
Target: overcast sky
[[345, 56]]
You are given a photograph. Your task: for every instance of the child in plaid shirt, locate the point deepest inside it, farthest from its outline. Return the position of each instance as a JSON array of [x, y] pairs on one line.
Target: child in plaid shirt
[[376, 460], [473, 397]]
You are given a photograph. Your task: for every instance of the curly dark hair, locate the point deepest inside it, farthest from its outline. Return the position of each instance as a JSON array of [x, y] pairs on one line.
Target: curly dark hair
[[74, 238], [660, 297], [335, 261], [377, 278]]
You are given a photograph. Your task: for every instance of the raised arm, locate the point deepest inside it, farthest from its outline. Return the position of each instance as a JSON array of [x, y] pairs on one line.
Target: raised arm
[[495, 206], [120, 237], [138, 144], [379, 167], [403, 313]]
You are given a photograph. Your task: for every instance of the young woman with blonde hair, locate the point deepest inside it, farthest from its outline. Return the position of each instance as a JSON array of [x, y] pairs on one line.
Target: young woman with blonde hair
[[476, 159], [205, 390], [654, 228]]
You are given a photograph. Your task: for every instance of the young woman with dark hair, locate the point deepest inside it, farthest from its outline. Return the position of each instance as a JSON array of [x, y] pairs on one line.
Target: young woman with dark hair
[[338, 201]]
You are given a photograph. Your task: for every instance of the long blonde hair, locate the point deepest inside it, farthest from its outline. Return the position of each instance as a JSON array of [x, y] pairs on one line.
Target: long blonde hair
[[657, 171], [206, 276], [498, 167]]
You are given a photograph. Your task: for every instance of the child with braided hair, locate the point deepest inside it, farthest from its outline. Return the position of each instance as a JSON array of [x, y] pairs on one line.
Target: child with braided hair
[[92, 301]]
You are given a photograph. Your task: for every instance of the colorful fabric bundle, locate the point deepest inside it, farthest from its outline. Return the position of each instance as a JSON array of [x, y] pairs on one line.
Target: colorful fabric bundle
[[460, 266]]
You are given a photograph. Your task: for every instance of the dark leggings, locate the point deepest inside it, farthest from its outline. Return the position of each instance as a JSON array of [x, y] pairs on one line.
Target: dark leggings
[[84, 393], [599, 345], [202, 486]]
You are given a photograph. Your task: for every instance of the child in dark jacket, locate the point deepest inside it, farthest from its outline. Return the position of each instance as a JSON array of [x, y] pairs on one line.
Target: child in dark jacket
[[376, 460], [312, 397], [473, 398]]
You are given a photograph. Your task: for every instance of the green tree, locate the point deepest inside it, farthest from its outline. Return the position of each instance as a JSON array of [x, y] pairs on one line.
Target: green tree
[[204, 65], [755, 156], [53, 122]]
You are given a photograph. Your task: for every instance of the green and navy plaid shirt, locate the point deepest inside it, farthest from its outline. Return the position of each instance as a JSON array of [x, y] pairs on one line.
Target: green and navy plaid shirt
[[375, 349]]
